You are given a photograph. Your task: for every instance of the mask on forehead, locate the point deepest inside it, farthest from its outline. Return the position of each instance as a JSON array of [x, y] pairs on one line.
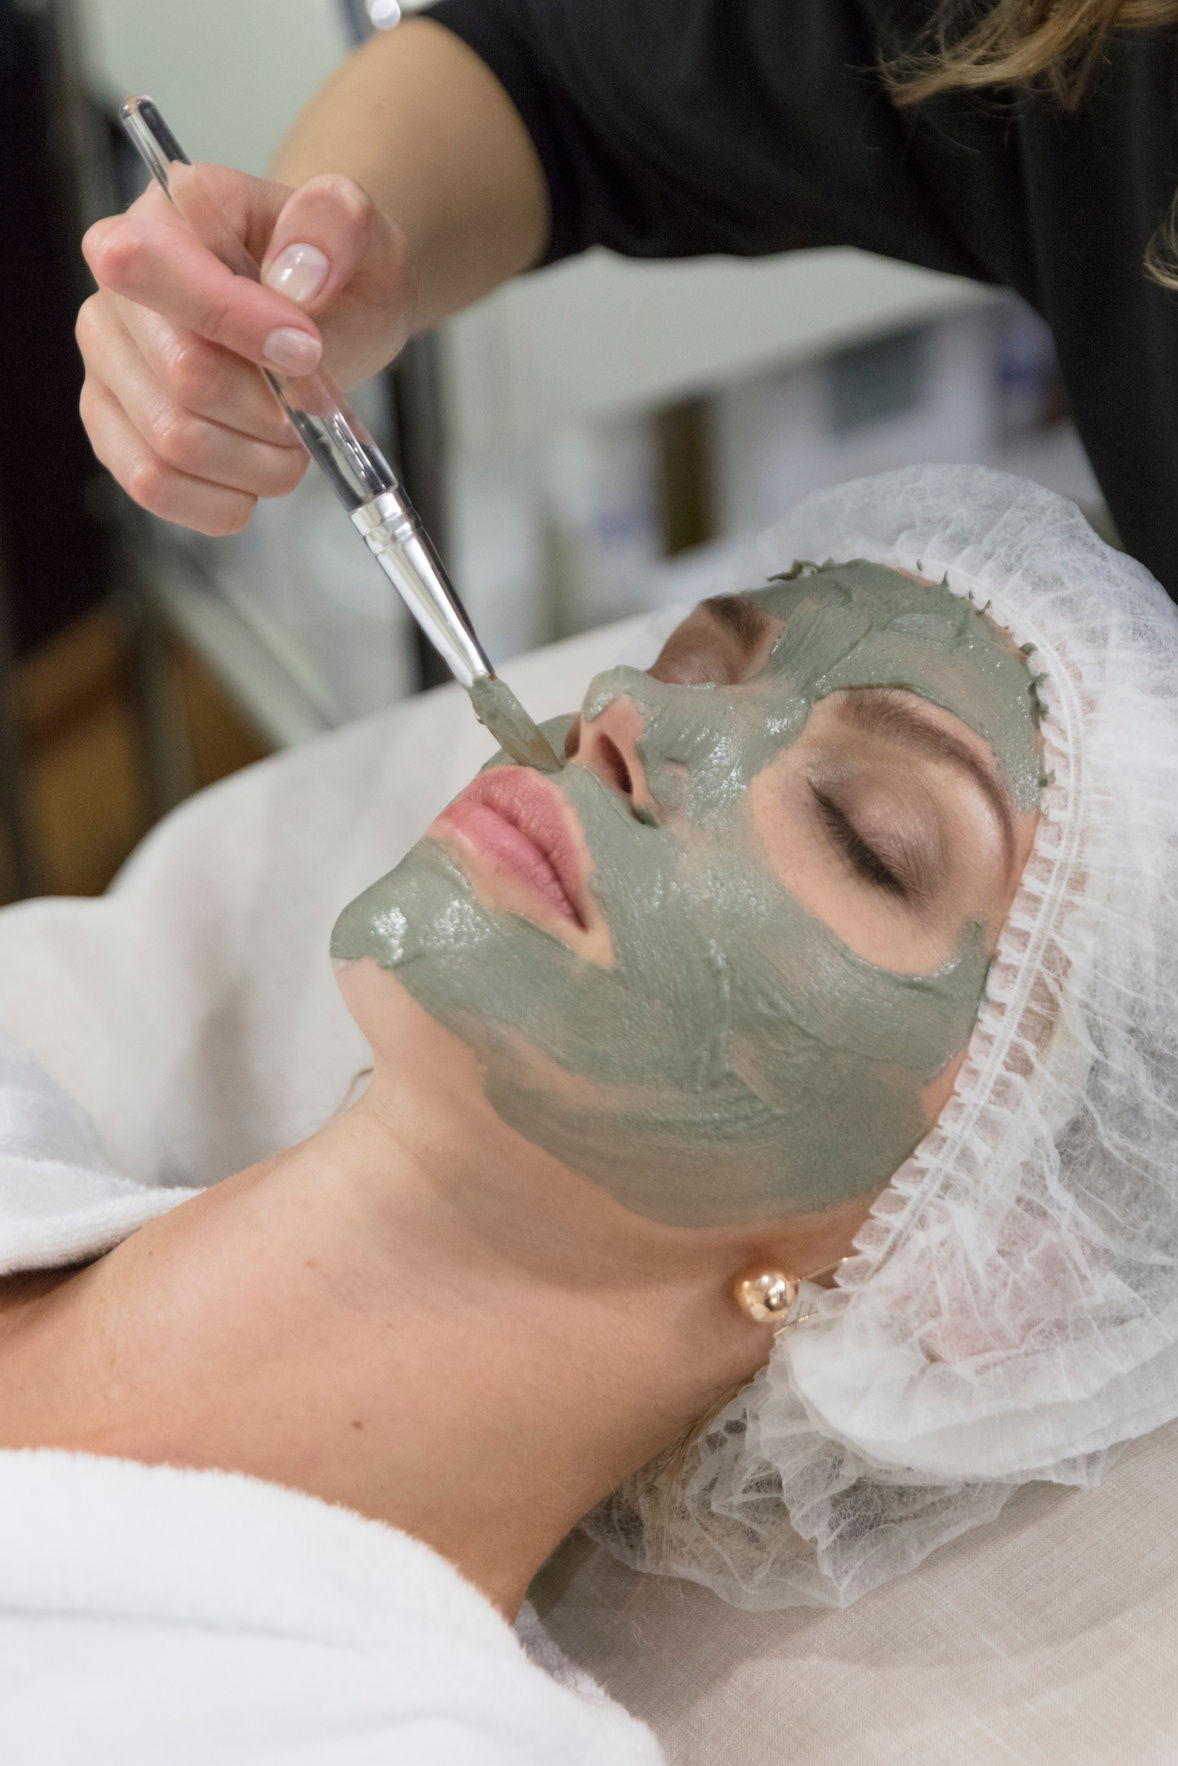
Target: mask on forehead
[[737, 1060]]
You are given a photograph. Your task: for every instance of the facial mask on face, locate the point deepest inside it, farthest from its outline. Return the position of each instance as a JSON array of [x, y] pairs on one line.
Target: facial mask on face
[[737, 1060]]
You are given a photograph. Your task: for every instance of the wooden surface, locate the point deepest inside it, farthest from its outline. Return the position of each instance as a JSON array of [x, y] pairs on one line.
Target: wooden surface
[[89, 802]]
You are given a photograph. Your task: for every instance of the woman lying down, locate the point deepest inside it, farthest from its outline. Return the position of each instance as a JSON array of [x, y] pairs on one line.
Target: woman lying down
[[768, 1164]]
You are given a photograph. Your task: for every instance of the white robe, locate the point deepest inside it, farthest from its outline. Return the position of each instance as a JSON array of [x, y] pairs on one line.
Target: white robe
[[151, 1616]]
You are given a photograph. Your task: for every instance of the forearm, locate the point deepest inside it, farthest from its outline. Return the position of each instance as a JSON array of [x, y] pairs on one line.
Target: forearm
[[421, 124]]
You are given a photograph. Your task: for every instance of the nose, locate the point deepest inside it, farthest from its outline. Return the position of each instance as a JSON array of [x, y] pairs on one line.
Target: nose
[[608, 745]]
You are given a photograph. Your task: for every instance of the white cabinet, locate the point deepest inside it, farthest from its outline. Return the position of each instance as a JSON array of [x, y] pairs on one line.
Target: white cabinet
[[600, 336]]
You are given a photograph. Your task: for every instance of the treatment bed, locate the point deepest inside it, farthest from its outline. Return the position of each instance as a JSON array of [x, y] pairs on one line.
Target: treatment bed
[[194, 1014]]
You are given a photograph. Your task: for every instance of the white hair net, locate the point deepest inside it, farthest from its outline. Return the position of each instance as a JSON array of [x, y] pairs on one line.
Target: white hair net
[[1012, 1310]]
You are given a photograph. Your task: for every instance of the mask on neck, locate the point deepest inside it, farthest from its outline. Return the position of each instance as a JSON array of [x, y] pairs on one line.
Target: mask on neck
[[737, 1060]]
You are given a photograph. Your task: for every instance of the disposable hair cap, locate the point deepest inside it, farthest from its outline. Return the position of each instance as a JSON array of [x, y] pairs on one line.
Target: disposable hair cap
[[1012, 1311]]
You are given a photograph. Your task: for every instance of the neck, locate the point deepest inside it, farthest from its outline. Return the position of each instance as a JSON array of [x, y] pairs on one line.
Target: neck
[[472, 1346]]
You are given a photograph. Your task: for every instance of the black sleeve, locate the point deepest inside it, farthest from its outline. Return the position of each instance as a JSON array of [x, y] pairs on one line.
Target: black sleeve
[[676, 128], [671, 128]]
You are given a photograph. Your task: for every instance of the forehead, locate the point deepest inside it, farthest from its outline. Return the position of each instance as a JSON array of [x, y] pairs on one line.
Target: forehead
[[864, 625], [844, 603]]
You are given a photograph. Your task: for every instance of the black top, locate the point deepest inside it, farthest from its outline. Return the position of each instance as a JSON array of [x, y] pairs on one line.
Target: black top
[[674, 128]]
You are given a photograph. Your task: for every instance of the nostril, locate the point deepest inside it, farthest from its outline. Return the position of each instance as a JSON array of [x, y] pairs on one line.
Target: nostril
[[572, 741], [614, 767]]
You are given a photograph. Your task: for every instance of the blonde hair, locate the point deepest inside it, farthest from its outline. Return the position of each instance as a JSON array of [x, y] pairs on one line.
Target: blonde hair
[[1051, 46]]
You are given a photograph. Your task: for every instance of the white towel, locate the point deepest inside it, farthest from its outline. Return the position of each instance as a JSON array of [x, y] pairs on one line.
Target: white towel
[[60, 1201], [157, 1617]]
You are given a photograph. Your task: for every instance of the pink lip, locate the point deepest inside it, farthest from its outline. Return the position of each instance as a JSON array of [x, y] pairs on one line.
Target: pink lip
[[511, 817]]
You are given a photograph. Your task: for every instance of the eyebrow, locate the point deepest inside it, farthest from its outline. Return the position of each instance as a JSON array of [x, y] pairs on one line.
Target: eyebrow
[[739, 616], [889, 712]]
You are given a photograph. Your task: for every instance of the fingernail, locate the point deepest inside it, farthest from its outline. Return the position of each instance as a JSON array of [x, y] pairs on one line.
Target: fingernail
[[299, 272], [292, 351]]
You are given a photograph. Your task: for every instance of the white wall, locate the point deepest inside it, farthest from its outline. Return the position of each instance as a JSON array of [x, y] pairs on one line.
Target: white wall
[[229, 75]]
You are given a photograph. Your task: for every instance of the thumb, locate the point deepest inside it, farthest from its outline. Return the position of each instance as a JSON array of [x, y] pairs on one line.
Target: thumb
[[323, 235]]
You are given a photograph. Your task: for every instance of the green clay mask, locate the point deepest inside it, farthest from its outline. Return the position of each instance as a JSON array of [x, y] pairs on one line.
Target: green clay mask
[[737, 1060]]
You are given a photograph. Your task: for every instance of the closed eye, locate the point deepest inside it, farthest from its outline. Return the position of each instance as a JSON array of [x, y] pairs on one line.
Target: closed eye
[[863, 858]]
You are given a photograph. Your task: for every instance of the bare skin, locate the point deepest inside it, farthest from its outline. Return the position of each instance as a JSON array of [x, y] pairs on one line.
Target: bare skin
[[420, 1315], [408, 188]]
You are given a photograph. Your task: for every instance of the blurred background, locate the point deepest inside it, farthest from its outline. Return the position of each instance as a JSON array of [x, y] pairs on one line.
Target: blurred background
[[584, 444]]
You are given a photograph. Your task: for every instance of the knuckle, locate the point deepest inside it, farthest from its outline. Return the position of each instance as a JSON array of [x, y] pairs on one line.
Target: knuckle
[[215, 320], [178, 437], [147, 479], [289, 471], [114, 252], [402, 264], [86, 404], [236, 515], [188, 369], [88, 323], [343, 193]]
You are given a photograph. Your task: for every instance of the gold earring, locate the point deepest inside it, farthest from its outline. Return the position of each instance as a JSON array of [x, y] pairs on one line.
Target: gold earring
[[771, 1296], [767, 1297]]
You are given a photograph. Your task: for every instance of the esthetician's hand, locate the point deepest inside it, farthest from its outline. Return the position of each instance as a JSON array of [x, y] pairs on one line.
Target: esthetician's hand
[[172, 401]]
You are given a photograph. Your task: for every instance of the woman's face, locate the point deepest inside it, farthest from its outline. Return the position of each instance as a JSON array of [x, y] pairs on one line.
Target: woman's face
[[726, 964]]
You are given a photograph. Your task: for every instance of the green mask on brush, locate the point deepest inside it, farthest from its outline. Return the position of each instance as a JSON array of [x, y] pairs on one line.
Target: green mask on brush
[[737, 1060]]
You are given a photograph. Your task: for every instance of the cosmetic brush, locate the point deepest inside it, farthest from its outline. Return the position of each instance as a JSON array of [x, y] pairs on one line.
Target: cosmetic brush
[[354, 466]]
